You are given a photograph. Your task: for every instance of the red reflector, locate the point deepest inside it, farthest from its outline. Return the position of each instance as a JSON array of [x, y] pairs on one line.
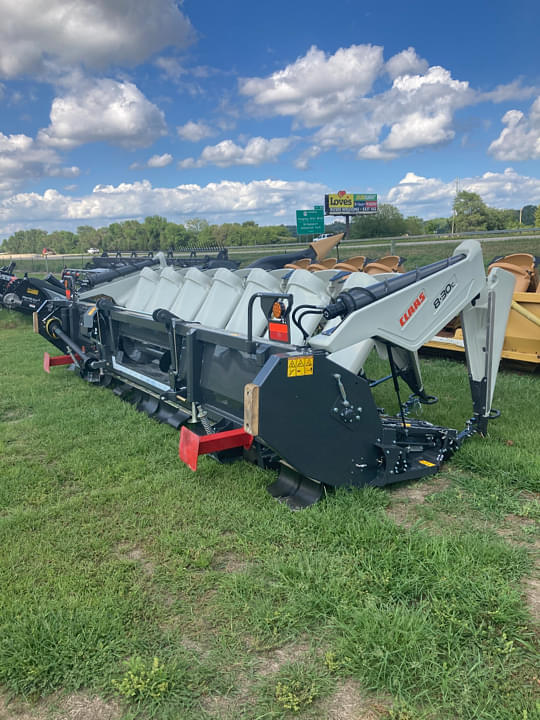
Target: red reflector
[[193, 445], [278, 331]]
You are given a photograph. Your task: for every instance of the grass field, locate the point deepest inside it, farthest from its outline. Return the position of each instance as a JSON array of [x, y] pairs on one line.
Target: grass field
[[422, 252], [419, 252], [131, 587]]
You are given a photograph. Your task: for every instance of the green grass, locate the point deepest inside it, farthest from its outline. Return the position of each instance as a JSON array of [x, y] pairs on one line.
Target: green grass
[[114, 554]]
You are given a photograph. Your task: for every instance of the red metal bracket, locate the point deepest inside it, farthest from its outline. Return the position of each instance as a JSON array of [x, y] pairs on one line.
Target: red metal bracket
[[50, 361], [193, 445]]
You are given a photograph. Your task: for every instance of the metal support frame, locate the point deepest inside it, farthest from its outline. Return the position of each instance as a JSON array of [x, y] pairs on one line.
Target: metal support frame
[[192, 445]]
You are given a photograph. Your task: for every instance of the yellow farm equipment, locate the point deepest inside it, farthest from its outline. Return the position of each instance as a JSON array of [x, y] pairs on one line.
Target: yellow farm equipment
[[522, 336]]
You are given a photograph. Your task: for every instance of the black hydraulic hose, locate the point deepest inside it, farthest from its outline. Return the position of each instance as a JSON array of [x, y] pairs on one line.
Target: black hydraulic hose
[[395, 374], [298, 322], [108, 275], [300, 308], [350, 300], [273, 262]]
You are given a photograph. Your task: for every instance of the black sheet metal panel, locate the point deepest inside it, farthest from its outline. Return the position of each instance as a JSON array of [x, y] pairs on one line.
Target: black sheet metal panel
[[303, 418], [26, 294]]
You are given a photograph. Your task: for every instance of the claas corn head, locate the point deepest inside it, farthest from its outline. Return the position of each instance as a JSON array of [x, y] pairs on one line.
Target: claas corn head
[[26, 294], [268, 363]]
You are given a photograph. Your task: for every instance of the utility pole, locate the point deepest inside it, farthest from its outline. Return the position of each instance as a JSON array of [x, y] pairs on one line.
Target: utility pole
[[454, 207]]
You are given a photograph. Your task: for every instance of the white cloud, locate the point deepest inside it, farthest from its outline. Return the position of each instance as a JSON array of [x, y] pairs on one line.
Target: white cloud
[[432, 197], [376, 152], [171, 68], [257, 151], [103, 110], [302, 161], [417, 109], [335, 94], [227, 200], [316, 86], [194, 131], [511, 91], [406, 62], [96, 34], [159, 161], [22, 158], [520, 139], [418, 129]]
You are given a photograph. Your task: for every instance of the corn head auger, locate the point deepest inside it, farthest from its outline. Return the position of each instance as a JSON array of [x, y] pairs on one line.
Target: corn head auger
[[267, 364]]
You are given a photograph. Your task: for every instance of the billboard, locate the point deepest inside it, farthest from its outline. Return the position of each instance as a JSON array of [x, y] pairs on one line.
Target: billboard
[[343, 203]]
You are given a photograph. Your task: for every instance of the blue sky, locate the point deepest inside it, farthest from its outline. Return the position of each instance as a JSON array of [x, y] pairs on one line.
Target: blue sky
[[237, 110]]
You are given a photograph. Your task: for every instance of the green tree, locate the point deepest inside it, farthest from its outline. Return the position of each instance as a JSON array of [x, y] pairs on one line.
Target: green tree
[[537, 217], [155, 227], [471, 212], [387, 222], [134, 236], [175, 236], [27, 241], [414, 225], [527, 215], [88, 237], [437, 225], [63, 241]]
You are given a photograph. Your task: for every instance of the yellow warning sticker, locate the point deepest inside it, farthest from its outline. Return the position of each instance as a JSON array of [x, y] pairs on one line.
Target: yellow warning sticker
[[297, 366], [32, 291], [426, 462], [92, 310]]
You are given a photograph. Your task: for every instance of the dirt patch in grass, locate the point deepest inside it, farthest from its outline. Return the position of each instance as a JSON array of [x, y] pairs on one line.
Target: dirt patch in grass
[[16, 710], [273, 660], [138, 555], [532, 595], [70, 707], [230, 562], [349, 703], [405, 498], [14, 415], [268, 663], [229, 706], [521, 531], [83, 707]]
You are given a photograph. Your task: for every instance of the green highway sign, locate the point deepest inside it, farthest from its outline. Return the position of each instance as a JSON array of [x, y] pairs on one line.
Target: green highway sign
[[310, 222]]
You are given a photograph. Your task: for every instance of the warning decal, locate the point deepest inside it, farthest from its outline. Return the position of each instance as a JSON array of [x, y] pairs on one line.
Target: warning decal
[[297, 366]]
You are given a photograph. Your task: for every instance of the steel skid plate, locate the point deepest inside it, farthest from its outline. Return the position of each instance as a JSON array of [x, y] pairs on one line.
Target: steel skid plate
[[295, 490]]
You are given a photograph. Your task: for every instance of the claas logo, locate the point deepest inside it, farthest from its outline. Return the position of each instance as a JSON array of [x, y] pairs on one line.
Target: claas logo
[[407, 315]]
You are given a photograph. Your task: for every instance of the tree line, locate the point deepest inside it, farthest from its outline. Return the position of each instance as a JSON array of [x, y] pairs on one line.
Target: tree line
[[155, 233], [470, 213]]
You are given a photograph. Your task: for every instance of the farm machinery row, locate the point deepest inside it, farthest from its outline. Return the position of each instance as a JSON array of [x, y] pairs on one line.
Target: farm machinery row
[[266, 362]]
